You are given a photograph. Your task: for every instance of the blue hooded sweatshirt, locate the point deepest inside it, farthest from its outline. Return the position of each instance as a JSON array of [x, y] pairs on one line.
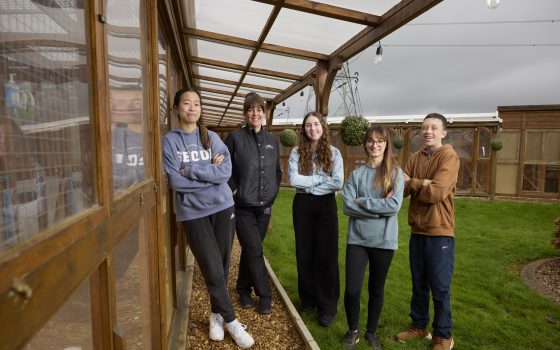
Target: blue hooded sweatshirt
[[202, 190]]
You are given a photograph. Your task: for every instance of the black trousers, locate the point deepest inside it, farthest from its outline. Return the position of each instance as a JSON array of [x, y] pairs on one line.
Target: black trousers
[[357, 258], [251, 224], [316, 232], [210, 239]]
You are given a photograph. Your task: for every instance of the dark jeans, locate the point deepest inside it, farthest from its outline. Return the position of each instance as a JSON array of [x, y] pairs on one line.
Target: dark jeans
[[316, 232], [210, 239], [357, 257], [251, 224], [431, 266]]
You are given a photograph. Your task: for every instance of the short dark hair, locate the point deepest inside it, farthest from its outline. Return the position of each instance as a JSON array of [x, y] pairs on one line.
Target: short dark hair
[[253, 99], [438, 116]]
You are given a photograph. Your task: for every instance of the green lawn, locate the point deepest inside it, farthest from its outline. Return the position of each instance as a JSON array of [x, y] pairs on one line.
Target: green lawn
[[492, 307]]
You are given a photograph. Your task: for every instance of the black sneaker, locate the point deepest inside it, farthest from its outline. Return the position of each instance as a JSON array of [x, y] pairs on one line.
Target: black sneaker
[[326, 320], [265, 305], [246, 300], [373, 341], [351, 339]]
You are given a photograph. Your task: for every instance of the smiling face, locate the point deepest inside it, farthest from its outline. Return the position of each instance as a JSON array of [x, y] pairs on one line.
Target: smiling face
[[375, 146], [433, 133], [188, 109], [253, 117], [313, 129]]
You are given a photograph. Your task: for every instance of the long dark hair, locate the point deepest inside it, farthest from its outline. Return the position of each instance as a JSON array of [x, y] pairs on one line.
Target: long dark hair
[[386, 172], [204, 138], [323, 155]]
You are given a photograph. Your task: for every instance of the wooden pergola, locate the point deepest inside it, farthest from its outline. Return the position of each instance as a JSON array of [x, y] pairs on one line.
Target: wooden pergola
[[222, 97]]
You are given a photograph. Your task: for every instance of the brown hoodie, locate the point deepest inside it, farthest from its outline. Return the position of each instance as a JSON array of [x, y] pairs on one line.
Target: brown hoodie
[[431, 208]]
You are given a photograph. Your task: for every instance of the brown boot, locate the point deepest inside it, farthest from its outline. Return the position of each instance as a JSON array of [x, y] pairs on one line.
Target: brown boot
[[442, 343], [413, 333]]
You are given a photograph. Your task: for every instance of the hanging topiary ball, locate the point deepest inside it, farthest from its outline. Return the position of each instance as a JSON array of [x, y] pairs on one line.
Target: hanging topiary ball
[[398, 143], [288, 138], [353, 129], [496, 144]]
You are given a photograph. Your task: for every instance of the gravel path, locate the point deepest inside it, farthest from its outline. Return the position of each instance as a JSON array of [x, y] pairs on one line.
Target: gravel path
[[273, 331], [548, 274]]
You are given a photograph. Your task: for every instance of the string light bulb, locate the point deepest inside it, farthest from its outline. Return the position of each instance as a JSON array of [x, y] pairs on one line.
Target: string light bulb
[[378, 54], [492, 4]]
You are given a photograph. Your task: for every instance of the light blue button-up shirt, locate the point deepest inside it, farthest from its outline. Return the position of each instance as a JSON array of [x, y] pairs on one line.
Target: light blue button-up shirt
[[319, 182]]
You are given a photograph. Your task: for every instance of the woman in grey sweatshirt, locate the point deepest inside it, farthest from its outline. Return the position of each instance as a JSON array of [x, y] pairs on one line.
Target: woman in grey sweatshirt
[[372, 199], [198, 166]]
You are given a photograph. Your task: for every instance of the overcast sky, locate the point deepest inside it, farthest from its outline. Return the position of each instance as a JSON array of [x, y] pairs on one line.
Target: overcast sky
[[465, 66]]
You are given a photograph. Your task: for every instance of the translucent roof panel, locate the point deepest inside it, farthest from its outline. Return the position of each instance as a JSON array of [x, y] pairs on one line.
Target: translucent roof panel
[[310, 32], [271, 82], [29, 23], [244, 19], [282, 63], [215, 51], [377, 7], [217, 86], [263, 93], [215, 95], [217, 72]]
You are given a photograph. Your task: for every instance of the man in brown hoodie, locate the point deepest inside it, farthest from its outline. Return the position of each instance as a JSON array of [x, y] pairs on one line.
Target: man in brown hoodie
[[430, 178]]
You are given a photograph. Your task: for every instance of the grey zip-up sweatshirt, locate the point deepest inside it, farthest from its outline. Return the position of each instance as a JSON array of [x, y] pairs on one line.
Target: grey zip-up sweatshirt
[[202, 188]]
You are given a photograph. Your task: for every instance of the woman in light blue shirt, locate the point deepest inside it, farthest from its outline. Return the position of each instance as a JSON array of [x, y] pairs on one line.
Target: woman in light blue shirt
[[372, 199], [316, 171]]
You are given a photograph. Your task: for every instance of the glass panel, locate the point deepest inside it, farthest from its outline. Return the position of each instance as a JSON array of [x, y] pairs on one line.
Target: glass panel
[[462, 141], [533, 146], [506, 179], [552, 147], [46, 153], [217, 73], [270, 82], [484, 144], [510, 151], [282, 63], [132, 288], [208, 49], [483, 176], [264, 94], [244, 19], [415, 141], [217, 86], [128, 101], [552, 178], [531, 177], [307, 32], [70, 327]]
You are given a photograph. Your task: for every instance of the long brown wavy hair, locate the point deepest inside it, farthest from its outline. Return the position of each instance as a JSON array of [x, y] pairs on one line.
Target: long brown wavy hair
[[386, 172], [323, 156], [204, 138]]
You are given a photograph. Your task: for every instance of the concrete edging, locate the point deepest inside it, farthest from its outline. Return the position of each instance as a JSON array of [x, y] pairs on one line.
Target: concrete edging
[[310, 342], [528, 275]]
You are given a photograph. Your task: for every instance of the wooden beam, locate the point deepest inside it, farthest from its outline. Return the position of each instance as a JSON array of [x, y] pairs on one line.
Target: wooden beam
[[320, 9], [234, 66], [231, 82], [204, 98], [236, 41], [400, 14]]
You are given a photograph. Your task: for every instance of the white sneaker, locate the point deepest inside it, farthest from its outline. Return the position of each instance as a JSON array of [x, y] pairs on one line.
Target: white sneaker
[[239, 334], [216, 327]]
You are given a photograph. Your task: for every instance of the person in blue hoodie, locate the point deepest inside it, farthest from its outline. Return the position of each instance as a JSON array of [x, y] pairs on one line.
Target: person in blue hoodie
[[372, 198], [315, 169], [198, 166]]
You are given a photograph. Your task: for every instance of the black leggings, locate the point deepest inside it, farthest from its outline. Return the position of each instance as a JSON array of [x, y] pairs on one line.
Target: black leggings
[[357, 257]]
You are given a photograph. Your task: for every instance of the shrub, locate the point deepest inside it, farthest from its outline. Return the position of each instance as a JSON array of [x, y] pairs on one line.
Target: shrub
[[288, 138], [496, 144], [398, 142], [353, 129]]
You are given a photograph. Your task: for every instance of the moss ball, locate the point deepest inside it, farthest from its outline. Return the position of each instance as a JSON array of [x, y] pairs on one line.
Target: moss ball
[[353, 129], [288, 138]]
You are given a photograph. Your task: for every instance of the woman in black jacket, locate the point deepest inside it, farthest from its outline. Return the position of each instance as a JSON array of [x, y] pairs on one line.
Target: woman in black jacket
[[255, 181]]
